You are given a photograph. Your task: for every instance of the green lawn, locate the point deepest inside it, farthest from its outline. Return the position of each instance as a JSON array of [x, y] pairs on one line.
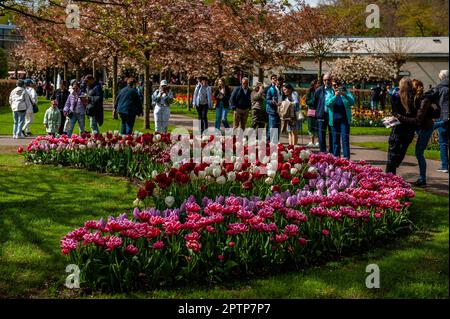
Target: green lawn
[[37, 128], [40, 204], [383, 146], [177, 109]]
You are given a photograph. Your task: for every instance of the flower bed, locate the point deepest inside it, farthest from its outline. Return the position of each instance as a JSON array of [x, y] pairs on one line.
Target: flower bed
[[367, 118], [133, 156], [315, 207]]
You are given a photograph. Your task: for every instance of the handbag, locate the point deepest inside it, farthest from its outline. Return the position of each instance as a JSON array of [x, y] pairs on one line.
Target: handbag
[[311, 113], [300, 116], [35, 108]]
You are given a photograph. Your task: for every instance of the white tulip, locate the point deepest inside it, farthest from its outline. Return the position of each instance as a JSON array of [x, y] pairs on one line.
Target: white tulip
[[298, 166], [157, 138], [312, 169], [154, 174], [201, 175], [217, 171], [176, 165], [271, 173], [231, 176], [192, 176], [169, 200], [221, 180], [209, 178], [294, 171], [268, 181]]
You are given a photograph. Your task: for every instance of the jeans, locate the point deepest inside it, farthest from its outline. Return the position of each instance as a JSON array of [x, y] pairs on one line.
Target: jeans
[[61, 127], [422, 142], [322, 126], [221, 117], [19, 119], [70, 123], [274, 122], [202, 110], [162, 115], [29, 117], [442, 128], [127, 124], [341, 130], [374, 104], [94, 125]]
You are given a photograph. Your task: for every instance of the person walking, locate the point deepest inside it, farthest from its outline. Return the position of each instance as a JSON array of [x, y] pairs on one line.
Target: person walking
[[376, 97], [128, 105], [52, 119], [74, 111], [29, 115], [274, 97], [339, 108], [403, 133], [19, 102], [94, 108], [202, 101], [293, 124], [222, 95], [241, 103], [60, 96], [259, 115], [322, 93], [440, 96], [423, 121], [162, 99], [311, 115]]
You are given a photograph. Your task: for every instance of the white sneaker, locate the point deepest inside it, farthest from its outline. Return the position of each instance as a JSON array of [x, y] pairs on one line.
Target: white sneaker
[[442, 170], [310, 144], [317, 144], [15, 137]]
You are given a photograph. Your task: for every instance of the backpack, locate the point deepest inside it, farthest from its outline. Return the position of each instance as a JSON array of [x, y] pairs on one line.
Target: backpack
[[435, 108], [286, 110]]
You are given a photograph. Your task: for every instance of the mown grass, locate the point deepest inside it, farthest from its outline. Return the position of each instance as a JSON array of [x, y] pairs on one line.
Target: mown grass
[[383, 146], [40, 204]]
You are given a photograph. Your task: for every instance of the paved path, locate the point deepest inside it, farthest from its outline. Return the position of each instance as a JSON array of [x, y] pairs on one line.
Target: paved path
[[437, 182]]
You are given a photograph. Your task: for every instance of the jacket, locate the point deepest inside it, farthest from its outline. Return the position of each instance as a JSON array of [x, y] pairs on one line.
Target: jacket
[[95, 104], [128, 102], [273, 97], [161, 101], [320, 97], [240, 100], [226, 98], [74, 104], [19, 99], [257, 100], [52, 120], [61, 97], [348, 100], [440, 96], [423, 117], [196, 98], [404, 128]]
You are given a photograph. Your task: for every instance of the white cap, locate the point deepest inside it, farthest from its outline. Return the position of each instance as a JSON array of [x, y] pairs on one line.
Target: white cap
[[163, 83]]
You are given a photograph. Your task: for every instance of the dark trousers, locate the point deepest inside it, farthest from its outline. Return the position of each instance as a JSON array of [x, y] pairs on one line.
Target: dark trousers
[[341, 130], [63, 121], [322, 127], [127, 125], [399, 141], [202, 110]]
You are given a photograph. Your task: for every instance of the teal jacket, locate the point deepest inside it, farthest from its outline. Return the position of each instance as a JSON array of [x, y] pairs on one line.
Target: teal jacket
[[348, 100]]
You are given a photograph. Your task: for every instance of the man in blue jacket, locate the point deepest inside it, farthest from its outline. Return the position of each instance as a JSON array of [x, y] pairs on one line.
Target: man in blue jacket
[[320, 96], [128, 105], [273, 100]]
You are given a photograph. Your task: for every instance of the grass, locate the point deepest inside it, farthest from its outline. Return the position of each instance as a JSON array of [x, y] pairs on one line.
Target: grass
[[178, 109], [37, 127], [40, 204], [383, 146]]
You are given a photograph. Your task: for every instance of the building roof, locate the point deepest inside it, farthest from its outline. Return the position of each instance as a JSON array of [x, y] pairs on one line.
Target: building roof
[[414, 46]]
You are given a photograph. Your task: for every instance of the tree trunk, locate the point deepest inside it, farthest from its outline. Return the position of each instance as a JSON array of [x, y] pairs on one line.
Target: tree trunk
[[93, 69], [55, 76], [65, 71], [319, 75], [189, 92], [114, 77], [147, 95], [261, 75], [78, 73]]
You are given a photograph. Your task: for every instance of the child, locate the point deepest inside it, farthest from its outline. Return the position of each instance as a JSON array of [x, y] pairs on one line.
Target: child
[[52, 119]]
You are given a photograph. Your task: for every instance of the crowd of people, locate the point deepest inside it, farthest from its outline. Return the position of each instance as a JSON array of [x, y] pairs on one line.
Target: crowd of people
[[275, 108]]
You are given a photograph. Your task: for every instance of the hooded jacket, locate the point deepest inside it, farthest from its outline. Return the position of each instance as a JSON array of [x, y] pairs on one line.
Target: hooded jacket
[[19, 99]]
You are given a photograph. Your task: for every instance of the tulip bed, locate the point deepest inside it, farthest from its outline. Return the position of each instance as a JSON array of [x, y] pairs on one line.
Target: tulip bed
[[218, 221], [132, 156]]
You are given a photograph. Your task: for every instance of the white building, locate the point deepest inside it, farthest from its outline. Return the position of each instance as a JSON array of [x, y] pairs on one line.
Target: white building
[[426, 56]]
